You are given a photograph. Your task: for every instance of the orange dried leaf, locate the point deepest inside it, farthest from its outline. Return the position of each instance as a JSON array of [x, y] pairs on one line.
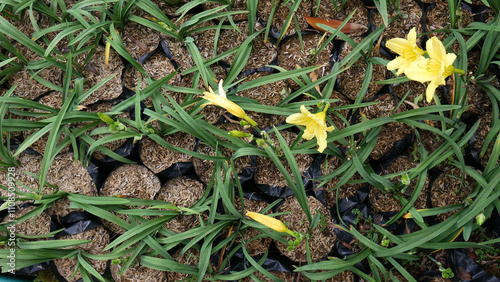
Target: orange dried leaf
[[348, 28]]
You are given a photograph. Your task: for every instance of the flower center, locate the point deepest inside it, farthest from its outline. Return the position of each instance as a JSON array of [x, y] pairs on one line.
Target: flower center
[[434, 66]]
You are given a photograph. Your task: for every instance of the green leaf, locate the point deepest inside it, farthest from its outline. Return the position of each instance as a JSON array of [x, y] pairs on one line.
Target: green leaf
[[83, 262], [297, 186], [60, 243], [97, 200], [382, 9], [167, 265]]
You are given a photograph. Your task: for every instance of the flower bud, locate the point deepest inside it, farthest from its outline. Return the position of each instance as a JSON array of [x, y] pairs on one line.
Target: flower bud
[[120, 126], [405, 179], [260, 142], [239, 134], [270, 222], [137, 138], [105, 118], [480, 219]]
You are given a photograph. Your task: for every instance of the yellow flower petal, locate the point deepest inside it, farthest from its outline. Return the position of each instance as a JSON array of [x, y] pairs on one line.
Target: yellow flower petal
[[298, 119], [304, 111], [398, 45], [309, 132], [429, 92], [222, 93], [321, 139], [435, 49], [412, 36], [396, 63], [320, 118], [221, 101], [448, 63], [420, 74], [449, 59]]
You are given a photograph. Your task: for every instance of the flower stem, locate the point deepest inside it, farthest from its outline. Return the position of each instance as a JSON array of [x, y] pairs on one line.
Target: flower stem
[[459, 71]]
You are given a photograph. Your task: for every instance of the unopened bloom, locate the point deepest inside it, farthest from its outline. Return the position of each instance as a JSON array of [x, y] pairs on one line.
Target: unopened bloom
[[221, 101], [260, 142], [237, 133], [107, 50], [314, 123], [407, 50], [480, 219], [106, 53], [270, 222], [435, 69]]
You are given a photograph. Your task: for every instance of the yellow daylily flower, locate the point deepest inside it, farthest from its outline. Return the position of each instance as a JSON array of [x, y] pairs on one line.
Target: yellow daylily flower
[[314, 123], [221, 101], [407, 50], [435, 69], [270, 222]]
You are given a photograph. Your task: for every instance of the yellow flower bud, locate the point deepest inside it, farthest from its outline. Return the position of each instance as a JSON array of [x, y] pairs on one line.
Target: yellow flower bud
[[270, 222]]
